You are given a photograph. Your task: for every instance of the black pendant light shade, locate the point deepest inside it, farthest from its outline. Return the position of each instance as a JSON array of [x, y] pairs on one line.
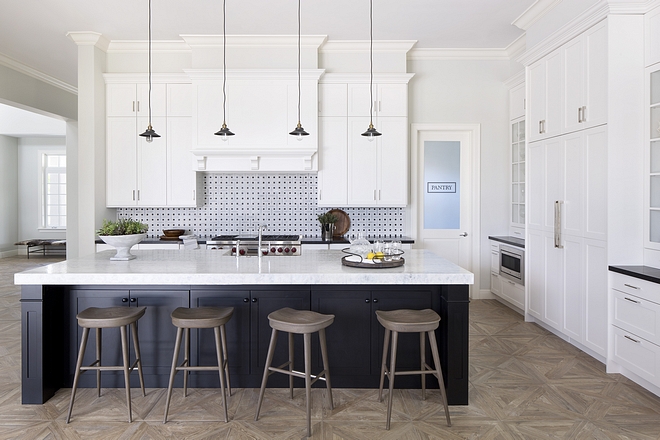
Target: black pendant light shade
[[299, 131], [224, 132], [149, 133], [371, 132]]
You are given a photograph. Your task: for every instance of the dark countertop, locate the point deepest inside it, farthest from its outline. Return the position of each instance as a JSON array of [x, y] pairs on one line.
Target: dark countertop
[[507, 239], [647, 273], [346, 239]]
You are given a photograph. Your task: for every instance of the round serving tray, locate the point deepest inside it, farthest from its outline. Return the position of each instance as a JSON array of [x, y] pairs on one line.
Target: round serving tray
[[381, 265]]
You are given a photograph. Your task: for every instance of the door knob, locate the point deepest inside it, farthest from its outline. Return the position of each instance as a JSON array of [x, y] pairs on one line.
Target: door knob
[[464, 234]]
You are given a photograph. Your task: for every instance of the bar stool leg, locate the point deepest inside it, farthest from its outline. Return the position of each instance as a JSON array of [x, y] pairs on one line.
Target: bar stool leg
[[395, 339], [438, 369], [326, 367], [138, 356], [269, 360], [386, 347], [225, 355], [175, 360], [422, 351], [76, 377], [307, 337], [98, 359], [186, 359], [291, 365], [221, 372], [127, 380]]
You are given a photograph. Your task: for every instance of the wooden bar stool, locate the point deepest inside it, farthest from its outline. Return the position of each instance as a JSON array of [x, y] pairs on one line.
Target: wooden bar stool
[[303, 322], [100, 318], [410, 321], [200, 317]]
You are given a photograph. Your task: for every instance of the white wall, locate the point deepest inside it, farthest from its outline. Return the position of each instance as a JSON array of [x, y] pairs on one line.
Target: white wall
[[472, 91], [8, 193], [28, 185]]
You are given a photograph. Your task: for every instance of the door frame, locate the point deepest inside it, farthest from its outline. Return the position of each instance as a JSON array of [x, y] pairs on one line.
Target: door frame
[[474, 134]]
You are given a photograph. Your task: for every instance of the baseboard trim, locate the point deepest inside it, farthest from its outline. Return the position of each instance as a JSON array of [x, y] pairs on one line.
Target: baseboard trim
[[7, 254]]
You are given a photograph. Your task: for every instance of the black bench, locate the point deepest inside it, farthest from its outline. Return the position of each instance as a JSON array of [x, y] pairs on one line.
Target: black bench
[[45, 246]]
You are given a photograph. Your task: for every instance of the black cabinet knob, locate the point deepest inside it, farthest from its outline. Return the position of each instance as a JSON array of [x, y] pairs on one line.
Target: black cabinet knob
[[246, 300], [375, 300], [133, 300], [367, 301], [124, 300], [254, 300]]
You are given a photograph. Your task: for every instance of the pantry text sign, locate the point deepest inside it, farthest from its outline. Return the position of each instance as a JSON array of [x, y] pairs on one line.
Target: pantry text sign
[[440, 187]]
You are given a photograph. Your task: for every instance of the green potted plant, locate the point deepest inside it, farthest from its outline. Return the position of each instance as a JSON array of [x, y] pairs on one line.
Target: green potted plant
[[122, 234], [327, 221]]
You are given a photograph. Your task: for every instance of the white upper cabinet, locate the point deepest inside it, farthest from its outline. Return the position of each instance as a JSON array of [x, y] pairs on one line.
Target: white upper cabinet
[[517, 102], [133, 99], [585, 79], [388, 100], [333, 100], [333, 161], [545, 97], [652, 40]]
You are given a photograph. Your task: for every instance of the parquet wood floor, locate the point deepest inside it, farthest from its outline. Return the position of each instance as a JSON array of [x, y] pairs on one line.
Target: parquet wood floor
[[525, 383]]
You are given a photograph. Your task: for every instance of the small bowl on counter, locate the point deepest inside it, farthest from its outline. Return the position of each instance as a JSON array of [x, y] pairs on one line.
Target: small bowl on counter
[[172, 234]]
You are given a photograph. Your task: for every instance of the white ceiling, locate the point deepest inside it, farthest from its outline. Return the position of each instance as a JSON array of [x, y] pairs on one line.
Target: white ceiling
[[33, 32], [22, 123]]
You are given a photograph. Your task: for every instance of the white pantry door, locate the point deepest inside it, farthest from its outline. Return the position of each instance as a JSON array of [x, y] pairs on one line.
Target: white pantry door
[[444, 213]]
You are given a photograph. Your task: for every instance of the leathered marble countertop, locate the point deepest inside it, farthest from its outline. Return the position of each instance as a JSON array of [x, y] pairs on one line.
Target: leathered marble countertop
[[208, 267]]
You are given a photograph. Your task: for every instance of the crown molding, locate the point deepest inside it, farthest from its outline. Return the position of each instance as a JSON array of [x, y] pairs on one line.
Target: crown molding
[[535, 12], [254, 74], [36, 74], [255, 40], [84, 38], [356, 78], [515, 80], [364, 46], [517, 47], [134, 46], [458, 54], [143, 77], [627, 7]]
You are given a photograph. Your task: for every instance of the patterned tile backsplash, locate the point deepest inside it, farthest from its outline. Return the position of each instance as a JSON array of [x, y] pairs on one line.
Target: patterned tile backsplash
[[287, 203]]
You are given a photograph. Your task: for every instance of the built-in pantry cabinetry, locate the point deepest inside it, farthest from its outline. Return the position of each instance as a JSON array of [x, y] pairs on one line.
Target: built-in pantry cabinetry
[[572, 141], [354, 171], [141, 173]]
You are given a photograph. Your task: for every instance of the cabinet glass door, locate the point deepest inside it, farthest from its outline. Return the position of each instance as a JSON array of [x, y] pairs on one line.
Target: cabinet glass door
[[654, 165], [518, 172]]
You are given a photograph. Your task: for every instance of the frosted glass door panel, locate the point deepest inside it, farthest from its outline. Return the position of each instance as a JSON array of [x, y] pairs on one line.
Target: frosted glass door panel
[[655, 191], [655, 87], [654, 235], [442, 196], [655, 122], [655, 157]]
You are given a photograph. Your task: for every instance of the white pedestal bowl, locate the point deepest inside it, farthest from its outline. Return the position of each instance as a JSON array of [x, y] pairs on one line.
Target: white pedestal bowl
[[123, 244]]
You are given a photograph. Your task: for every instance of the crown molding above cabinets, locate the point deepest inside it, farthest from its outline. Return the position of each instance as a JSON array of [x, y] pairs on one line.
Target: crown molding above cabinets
[[262, 105]]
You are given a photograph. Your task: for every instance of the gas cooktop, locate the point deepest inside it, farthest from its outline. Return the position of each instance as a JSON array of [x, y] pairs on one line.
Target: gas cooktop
[[234, 238]]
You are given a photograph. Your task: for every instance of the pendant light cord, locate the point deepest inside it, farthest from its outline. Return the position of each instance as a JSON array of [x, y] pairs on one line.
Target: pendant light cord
[[149, 63], [298, 62], [224, 62], [371, 62]]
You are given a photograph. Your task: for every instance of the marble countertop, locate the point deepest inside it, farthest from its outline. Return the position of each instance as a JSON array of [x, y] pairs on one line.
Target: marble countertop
[[206, 267]]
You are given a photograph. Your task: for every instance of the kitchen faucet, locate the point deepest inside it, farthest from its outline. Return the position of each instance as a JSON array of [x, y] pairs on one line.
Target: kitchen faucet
[[260, 229]]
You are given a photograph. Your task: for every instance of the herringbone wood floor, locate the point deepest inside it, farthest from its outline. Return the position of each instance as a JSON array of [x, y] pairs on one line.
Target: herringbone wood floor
[[525, 383]]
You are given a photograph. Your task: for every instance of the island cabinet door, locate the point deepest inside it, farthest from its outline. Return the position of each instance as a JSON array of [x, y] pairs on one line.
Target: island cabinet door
[[156, 332], [349, 336], [408, 351], [263, 302], [110, 341], [238, 337]]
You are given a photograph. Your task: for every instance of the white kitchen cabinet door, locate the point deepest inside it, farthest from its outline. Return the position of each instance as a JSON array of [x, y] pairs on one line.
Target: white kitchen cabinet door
[[573, 292], [392, 162], [495, 284], [333, 100], [121, 99], [544, 92], [595, 182], [392, 100], [513, 293], [535, 276], [595, 296], [585, 80], [152, 166], [179, 100], [333, 161], [182, 181], [121, 161], [517, 102], [359, 100], [362, 164]]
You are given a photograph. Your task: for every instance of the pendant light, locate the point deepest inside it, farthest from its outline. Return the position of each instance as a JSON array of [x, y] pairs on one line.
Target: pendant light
[[149, 133], [224, 132], [371, 132], [299, 131]]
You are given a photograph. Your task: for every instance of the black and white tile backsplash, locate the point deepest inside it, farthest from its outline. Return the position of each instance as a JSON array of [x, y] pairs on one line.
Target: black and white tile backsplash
[[287, 203]]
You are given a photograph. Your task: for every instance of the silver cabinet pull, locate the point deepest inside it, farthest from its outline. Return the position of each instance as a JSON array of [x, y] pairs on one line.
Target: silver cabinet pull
[[579, 114], [631, 339], [133, 106], [193, 194], [138, 192], [631, 286], [138, 106], [558, 244], [540, 127], [584, 113], [133, 195], [631, 300], [374, 194]]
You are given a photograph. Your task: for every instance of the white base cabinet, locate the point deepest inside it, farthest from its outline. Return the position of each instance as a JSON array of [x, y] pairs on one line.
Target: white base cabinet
[[512, 293]]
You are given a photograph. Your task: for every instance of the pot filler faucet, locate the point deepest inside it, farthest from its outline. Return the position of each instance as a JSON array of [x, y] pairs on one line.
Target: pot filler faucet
[[260, 229]]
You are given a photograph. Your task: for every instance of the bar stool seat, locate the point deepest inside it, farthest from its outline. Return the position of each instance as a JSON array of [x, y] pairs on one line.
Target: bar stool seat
[[109, 317], [410, 321], [200, 317], [303, 322]]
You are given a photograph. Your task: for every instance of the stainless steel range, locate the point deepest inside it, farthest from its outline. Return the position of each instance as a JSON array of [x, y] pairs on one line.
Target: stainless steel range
[[273, 245]]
